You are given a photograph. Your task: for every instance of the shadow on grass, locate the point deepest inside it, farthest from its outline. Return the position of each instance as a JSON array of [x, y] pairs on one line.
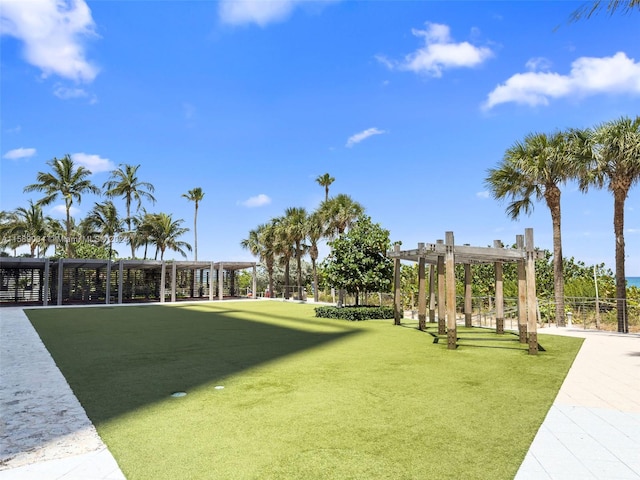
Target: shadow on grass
[[119, 360]]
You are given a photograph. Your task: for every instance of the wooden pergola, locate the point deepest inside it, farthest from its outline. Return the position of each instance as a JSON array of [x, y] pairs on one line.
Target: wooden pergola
[[442, 257]]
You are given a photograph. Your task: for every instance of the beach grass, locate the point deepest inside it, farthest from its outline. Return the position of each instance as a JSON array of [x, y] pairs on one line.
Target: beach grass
[[275, 393]]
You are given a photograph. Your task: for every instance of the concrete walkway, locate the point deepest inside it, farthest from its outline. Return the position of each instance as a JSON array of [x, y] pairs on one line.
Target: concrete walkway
[[592, 430]]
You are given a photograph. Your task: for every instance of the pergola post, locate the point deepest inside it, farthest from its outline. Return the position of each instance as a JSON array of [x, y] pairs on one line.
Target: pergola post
[[254, 282], [432, 294], [60, 280], [107, 290], [174, 274], [532, 325], [120, 279], [450, 264], [163, 281], [220, 281], [211, 277], [468, 306], [45, 284], [422, 292], [442, 326], [499, 292], [522, 293], [397, 300]]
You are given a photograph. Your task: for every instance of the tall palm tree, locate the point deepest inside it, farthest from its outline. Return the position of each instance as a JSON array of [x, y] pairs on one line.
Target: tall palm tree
[[105, 220], [339, 213], [296, 225], [124, 183], [615, 162], [284, 249], [261, 243], [165, 232], [195, 195], [324, 181], [315, 232], [67, 181], [534, 170]]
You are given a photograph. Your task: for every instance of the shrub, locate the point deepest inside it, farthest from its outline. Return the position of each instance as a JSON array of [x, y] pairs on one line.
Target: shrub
[[355, 314]]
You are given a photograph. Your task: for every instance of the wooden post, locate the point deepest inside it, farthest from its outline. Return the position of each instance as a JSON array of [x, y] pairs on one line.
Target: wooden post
[[432, 294], [45, 284], [522, 293], [532, 325], [174, 280], [211, 277], [220, 281], [450, 264], [499, 292], [254, 282], [163, 281], [397, 300], [468, 307], [442, 327], [422, 291], [120, 280], [107, 290]]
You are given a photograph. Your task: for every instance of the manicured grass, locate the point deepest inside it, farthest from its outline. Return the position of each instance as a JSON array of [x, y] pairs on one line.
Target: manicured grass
[[303, 397]]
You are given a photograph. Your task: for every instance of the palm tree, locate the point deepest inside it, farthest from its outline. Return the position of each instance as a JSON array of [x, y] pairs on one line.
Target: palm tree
[[283, 248], [68, 181], [296, 225], [534, 170], [324, 181], [261, 243], [195, 195], [165, 232], [315, 231], [104, 218], [615, 162], [29, 226], [588, 10], [124, 183], [339, 213]]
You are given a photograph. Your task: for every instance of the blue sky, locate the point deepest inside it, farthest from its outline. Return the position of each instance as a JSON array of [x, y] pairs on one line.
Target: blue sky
[[407, 104]]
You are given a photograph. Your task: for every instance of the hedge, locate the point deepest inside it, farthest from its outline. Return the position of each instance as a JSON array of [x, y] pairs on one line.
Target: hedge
[[355, 314]]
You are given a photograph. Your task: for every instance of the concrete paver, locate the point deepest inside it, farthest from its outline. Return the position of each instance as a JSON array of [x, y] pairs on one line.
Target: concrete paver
[[592, 430]]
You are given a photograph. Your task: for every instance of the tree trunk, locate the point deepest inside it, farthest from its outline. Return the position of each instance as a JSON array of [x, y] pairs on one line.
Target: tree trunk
[[68, 205], [619, 197], [286, 279], [315, 279], [553, 202], [299, 273], [195, 232]]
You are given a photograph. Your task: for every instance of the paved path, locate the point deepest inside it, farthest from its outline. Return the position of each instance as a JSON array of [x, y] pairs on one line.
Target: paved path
[[44, 431], [592, 430]]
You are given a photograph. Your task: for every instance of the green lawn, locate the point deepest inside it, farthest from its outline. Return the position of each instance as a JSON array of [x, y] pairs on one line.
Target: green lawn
[[303, 398]]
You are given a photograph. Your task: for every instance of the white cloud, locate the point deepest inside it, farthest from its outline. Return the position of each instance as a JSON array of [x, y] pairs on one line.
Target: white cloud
[[257, 201], [538, 64], [16, 129], [439, 53], [484, 194], [260, 12], [588, 76], [95, 163], [18, 153], [358, 137], [53, 32], [60, 211], [66, 93]]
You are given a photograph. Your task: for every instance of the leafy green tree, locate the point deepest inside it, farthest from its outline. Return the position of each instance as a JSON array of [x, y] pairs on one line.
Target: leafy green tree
[[68, 181], [295, 221], [358, 262], [29, 226], [615, 163], [339, 212], [195, 195], [325, 181], [124, 183], [534, 170]]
